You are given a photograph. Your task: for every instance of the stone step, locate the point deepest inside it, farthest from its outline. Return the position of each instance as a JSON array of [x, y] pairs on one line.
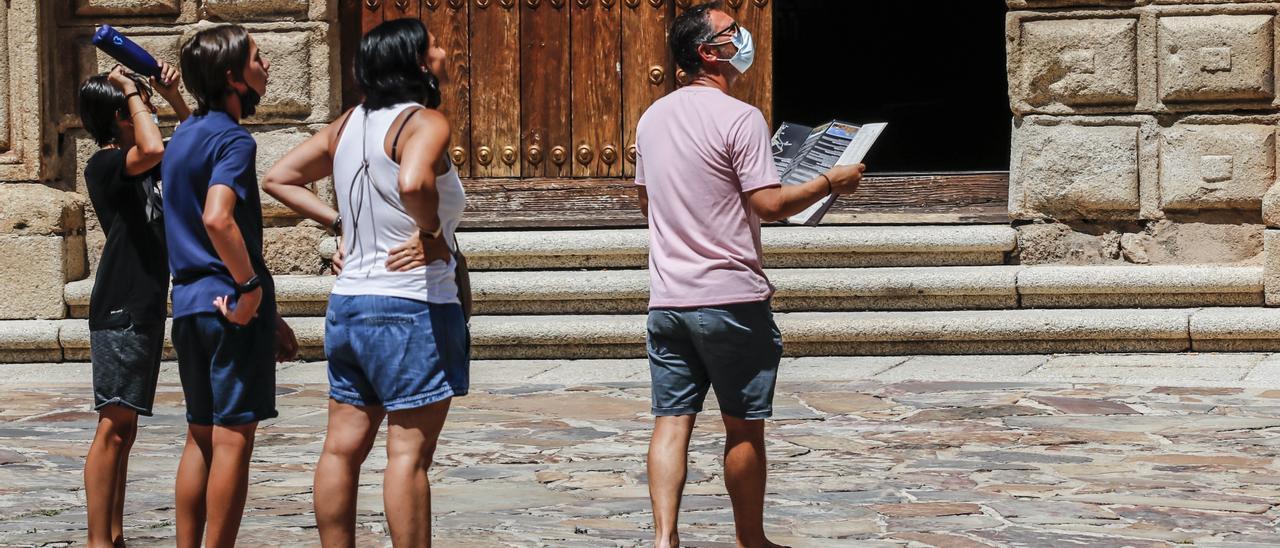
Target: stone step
[[833, 290], [785, 247], [1233, 329]]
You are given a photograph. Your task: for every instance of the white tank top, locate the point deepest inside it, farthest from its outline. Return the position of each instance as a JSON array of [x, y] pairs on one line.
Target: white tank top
[[374, 219]]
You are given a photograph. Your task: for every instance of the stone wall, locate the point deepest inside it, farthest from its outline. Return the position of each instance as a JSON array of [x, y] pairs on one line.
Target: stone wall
[[1145, 130]]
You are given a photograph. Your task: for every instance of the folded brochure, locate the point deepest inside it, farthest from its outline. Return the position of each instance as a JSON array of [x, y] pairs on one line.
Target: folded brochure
[[801, 153]]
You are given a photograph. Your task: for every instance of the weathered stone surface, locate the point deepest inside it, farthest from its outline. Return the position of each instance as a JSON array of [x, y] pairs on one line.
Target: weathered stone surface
[[126, 7], [1236, 330], [1076, 62], [290, 92], [38, 210], [1156, 243], [1271, 267], [293, 250], [1132, 286], [21, 122], [935, 367], [236, 10], [785, 247], [28, 341], [1217, 58], [273, 144], [1086, 406], [1216, 167], [33, 273], [1075, 172]]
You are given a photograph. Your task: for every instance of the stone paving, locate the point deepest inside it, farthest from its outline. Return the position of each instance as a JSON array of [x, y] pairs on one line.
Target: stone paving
[[551, 454]]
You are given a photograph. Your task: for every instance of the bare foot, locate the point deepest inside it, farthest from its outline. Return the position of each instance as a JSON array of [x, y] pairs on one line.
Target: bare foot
[[672, 541]]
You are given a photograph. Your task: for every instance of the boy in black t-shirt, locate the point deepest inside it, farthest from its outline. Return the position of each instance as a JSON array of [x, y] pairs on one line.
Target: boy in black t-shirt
[[127, 308]]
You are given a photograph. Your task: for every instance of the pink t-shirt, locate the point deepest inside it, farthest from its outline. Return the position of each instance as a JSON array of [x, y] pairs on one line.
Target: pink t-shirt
[[699, 151]]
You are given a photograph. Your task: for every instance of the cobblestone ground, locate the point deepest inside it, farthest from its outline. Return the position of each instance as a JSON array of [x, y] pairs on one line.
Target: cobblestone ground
[[852, 463]]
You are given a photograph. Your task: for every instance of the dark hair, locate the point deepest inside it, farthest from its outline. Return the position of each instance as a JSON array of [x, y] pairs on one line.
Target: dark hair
[[102, 105], [207, 57], [389, 66], [690, 30]]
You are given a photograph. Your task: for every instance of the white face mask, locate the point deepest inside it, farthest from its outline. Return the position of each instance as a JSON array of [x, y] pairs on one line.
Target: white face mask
[[746, 55]]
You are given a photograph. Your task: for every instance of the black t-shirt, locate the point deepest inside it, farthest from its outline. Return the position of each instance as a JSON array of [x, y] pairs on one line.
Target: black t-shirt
[[132, 284]]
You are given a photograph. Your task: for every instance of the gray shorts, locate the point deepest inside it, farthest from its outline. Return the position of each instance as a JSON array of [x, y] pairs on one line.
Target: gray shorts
[[733, 348], [126, 364]]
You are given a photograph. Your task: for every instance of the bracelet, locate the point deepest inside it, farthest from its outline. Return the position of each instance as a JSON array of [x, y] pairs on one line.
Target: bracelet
[[139, 112], [336, 227], [830, 190], [131, 94]]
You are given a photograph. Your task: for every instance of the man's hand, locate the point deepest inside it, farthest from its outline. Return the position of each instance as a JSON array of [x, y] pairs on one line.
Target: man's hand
[[286, 342], [121, 80], [417, 251], [845, 179], [246, 307]]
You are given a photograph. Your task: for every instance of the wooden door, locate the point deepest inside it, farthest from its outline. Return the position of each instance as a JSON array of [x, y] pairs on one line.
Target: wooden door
[[547, 90]]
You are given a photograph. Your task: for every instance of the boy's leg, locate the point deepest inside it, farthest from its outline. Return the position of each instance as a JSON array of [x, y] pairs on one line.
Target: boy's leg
[[228, 484], [101, 468], [668, 464], [122, 479], [411, 444], [347, 443], [193, 478]]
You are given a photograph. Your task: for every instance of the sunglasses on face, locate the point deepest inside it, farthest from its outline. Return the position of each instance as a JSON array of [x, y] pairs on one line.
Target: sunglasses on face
[[730, 31]]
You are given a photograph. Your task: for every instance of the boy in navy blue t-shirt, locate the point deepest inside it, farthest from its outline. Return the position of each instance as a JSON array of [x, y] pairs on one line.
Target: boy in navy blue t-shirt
[[226, 332]]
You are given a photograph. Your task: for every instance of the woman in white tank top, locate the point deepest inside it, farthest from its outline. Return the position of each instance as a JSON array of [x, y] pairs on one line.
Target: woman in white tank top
[[395, 335]]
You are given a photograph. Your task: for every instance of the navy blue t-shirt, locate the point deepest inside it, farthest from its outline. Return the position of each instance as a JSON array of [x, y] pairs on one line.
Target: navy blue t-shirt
[[210, 150]]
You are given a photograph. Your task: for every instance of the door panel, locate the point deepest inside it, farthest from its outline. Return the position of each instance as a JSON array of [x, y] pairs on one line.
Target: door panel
[[646, 75], [536, 81], [448, 22], [597, 88], [495, 88], [545, 92]]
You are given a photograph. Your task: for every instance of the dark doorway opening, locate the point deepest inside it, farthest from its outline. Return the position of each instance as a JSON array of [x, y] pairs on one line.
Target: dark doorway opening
[[934, 70]]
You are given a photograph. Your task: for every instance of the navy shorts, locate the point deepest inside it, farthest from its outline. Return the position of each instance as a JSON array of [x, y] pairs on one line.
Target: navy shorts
[[395, 353], [228, 371], [734, 348]]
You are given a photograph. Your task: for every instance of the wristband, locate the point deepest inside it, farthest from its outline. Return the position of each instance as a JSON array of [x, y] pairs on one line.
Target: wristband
[[830, 189], [131, 94], [250, 285], [336, 227]]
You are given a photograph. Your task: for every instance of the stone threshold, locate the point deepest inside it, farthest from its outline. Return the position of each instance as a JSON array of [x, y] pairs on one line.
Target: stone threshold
[[1233, 329], [833, 290]]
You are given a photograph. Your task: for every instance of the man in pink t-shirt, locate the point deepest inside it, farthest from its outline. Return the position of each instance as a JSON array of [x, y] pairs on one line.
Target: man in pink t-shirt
[[706, 176]]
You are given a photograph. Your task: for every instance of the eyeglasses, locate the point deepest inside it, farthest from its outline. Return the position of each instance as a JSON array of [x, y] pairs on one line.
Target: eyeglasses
[[730, 31]]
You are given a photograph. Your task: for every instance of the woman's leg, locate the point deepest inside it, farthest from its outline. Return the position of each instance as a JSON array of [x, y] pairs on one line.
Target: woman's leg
[[351, 432], [102, 468], [411, 444]]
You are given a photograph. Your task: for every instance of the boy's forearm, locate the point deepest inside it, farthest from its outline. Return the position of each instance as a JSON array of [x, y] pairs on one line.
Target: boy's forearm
[[228, 242]]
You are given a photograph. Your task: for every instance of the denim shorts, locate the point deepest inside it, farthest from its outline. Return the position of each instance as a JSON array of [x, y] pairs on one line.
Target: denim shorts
[[395, 353], [228, 371], [734, 348]]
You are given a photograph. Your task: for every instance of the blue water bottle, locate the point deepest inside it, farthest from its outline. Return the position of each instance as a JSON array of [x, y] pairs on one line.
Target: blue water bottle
[[126, 51]]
